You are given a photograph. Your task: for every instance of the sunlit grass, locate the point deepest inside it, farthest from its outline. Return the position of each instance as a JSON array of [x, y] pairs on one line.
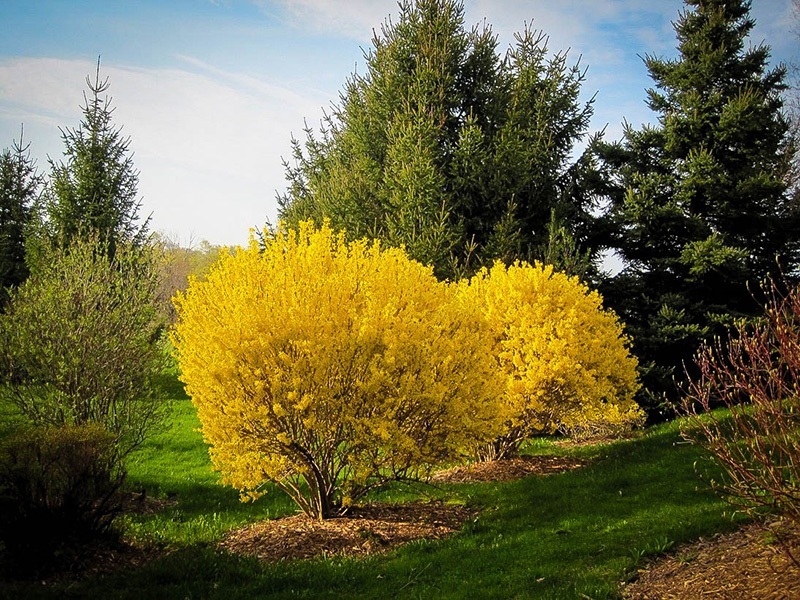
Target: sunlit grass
[[174, 466], [560, 536]]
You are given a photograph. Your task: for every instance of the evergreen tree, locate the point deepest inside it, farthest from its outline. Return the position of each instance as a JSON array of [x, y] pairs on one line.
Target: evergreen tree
[[699, 201], [19, 190], [94, 193], [447, 147]]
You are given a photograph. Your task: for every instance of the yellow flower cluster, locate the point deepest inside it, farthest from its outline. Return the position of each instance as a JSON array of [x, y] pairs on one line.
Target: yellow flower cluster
[[329, 367], [563, 358]]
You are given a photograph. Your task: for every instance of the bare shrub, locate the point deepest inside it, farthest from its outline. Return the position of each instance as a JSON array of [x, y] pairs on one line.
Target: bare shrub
[[754, 376]]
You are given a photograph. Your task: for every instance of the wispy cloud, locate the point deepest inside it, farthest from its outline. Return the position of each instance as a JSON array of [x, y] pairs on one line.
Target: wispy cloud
[[208, 144], [355, 18]]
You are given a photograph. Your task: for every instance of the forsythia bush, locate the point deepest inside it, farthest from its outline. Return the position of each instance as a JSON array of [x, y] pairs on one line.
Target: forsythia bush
[[562, 357], [331, 367]]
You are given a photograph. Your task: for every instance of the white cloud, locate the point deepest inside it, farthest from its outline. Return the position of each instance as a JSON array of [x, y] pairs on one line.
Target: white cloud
[[208, 144], [355, 19]]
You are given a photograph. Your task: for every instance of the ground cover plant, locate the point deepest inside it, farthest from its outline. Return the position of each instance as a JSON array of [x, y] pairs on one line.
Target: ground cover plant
[[559, 536]]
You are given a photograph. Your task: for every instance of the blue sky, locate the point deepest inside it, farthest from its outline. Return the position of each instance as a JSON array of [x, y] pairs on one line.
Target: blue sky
[[211, 91]]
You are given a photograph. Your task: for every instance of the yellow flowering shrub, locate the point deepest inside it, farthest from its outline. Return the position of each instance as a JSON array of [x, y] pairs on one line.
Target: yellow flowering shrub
[[331, 367], [563, 358]]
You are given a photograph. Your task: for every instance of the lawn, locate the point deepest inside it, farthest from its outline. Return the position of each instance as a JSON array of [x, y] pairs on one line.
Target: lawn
[[569, 535]]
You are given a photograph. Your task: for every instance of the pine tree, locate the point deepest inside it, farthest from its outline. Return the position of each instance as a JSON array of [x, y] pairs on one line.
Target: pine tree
[[94, 193], [19, 189], [447, 147], [699, 201]]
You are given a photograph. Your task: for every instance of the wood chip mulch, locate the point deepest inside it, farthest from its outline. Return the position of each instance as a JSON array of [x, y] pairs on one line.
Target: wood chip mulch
[[364, 530], [508, 469], [740, 565]]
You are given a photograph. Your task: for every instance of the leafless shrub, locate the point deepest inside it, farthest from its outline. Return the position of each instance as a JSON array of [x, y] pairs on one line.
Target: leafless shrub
[[756, 439]]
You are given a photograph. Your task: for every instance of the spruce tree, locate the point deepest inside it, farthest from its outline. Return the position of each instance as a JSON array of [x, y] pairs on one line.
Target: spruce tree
[[93, 193], [19, 190], [699, 204], [447, 147]]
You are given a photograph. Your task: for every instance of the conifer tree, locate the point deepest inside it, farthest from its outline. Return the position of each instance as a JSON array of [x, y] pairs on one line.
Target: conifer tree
[[699, 201], [19, 189], [447, 147], [94, 192]]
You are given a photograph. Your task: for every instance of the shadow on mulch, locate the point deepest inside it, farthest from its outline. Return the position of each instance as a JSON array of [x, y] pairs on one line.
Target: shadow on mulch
[[748, 563], [71, 561]]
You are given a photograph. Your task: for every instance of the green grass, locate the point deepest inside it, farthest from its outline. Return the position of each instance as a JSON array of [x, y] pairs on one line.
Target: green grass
[[571, 535]]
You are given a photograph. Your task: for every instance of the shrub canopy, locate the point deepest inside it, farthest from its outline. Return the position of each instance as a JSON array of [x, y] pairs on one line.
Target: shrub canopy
[[81, 341], [563, 359], [331, 367]]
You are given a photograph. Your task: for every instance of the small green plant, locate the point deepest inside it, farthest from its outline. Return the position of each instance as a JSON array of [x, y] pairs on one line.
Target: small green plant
[[58, 488], [657, 547]]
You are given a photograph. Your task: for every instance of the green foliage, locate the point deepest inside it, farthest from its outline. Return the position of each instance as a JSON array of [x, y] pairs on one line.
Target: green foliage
[[563, 252], [58, 487], [80, 341], [448, 148], [19, 190], [93, 193], [699, 203]]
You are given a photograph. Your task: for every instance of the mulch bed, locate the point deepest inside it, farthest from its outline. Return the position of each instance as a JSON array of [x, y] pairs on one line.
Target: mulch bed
[[508, 469], [364, 530], [380, 527], [734, 566]]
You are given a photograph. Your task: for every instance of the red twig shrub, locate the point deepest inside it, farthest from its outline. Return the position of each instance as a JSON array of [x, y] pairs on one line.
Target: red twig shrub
[[754, 375]]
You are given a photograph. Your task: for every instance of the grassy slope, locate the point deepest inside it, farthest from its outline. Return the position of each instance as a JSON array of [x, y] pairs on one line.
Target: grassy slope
[[554, 537]]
